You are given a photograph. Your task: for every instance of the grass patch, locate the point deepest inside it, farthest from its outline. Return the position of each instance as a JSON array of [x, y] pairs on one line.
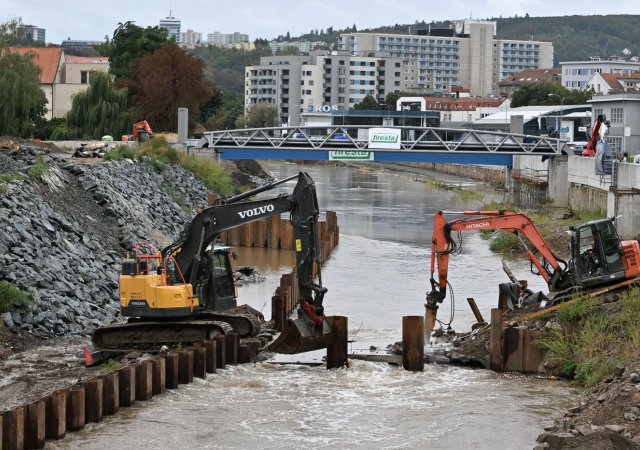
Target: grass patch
[[209, 172], [11, 297], [461, 194], [605, 336], [180, 199], [38, 169], [109, 365], [119, 153]]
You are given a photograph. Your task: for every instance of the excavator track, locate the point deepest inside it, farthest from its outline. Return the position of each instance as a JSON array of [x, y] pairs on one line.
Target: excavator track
[[151, 335]]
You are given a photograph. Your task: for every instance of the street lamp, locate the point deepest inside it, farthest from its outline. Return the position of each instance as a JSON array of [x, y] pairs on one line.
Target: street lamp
[[561, 112]]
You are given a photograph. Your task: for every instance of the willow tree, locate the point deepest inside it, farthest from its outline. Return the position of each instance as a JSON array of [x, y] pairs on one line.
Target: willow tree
[[22, 103], [100, 110]]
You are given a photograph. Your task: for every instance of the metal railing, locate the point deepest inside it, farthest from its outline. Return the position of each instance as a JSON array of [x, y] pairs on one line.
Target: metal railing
[[416, 139]]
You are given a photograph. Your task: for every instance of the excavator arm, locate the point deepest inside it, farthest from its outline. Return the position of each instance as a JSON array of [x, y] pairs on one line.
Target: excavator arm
[[190, 250], [551, 268]]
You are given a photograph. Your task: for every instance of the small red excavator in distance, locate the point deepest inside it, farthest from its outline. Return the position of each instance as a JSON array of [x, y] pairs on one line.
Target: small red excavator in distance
[[598, 256], [142, 131]]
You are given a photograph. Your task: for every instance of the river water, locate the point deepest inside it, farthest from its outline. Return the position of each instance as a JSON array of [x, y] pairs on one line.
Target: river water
[[377, 274]]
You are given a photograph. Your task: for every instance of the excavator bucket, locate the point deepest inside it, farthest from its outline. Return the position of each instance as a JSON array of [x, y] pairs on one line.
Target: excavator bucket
[[300, 335]]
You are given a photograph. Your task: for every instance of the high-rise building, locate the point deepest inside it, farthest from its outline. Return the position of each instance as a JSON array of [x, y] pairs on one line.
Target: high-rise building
[[468, 55], [190, 38], [172, 25], [33, 33], [224, 39], [322, 81]]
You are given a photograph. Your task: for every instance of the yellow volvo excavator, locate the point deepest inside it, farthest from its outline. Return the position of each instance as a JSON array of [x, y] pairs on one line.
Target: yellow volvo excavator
[[183, 293]]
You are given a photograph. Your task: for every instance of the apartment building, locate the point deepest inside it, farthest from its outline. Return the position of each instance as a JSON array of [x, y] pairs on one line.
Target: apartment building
[[576, 74], [219, 39], [302, 46], [322, 81], [468, 54], [172, 25]]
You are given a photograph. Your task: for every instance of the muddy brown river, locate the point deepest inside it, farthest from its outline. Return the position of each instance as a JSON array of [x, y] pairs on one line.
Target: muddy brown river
[[377, 274]]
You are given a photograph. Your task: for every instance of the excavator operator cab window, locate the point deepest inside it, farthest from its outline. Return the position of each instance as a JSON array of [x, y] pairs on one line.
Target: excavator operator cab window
[[223, 282], [590, 260]]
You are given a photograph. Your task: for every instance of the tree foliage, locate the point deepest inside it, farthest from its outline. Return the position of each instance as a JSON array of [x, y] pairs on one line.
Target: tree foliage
[[262, 116], [368, 103], [130, 43], [548, 93], [100, 110], [22, 103], [166, 80]]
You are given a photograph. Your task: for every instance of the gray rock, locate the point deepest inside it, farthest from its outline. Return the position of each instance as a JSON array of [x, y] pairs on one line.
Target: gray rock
[[634, 377], [615, 428], [8, 321]]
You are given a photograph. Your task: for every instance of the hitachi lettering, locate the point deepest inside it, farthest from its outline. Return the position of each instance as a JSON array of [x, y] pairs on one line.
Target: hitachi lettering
[[471, 226], [256, 211]]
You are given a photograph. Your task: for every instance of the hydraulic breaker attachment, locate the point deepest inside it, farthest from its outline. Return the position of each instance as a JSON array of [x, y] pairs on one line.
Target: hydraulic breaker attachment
[[303, 335]]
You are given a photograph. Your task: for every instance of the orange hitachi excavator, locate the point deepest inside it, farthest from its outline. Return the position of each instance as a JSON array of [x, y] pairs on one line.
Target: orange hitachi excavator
[[141, 131], [598, 255]]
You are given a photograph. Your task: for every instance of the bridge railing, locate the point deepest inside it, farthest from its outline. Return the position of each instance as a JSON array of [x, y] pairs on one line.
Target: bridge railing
[[355, 137]]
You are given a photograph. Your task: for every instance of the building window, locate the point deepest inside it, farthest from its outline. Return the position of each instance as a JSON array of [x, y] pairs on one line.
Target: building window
[[616, 115], [615, 144], [84, 77]]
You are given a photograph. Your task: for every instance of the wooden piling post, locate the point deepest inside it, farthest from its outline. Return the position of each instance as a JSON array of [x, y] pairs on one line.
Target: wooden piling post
[[34, 425], [172, 376], [220, 352], [13, 429], [144, 381], [413, 343], [244, 354], [210, 348], [111, 394], [476, 311], [75, 408], [56, 415], [159, 373], [231, 351], [185, 369], [200, 362], [93, 405], [495, 340], [337, 351], [278, 312], [127, 386]]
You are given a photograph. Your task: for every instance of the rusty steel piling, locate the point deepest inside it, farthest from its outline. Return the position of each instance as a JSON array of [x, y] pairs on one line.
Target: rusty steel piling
[[413, 343], [35, 425], [337, 351]]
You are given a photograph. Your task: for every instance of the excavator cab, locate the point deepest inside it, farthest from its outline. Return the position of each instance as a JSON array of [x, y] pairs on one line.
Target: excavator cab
[[597, 252]]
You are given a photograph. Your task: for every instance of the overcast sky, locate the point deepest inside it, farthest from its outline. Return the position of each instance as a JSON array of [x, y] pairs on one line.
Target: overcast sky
[[91, 20]]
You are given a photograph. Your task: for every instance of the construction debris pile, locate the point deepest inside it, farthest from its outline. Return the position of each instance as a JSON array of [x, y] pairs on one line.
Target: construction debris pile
[[66, 227]]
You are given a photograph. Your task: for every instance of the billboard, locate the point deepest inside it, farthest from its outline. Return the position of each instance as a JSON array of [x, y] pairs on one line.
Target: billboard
[[384, 138]]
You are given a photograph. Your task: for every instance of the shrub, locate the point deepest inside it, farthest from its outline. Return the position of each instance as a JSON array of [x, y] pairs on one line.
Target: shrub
[[210, 173], [38, 169], [122, 151], [11, 296]]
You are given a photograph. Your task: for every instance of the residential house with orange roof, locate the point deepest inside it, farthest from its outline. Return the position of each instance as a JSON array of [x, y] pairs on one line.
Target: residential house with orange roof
[[62, 76], [514, 82], [614, 83]]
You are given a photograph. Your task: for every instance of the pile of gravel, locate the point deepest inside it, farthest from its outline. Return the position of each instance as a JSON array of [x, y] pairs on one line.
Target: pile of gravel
[[63, 237]]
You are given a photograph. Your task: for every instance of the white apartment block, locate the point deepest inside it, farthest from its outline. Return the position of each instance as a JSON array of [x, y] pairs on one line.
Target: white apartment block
[[468, 55], [576, 74], [322, 81], [302, 46], [190, 38], [219, 39]]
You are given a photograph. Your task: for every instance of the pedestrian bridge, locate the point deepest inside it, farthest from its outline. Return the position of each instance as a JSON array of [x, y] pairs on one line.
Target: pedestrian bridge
[[386, 144]]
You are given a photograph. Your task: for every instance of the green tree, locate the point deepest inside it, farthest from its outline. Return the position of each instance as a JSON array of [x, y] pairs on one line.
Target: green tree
[[101, 109], [548, 93], [22, 103], [166, 80], [261, 116], [368, 103], [10, 32], [130, 43]]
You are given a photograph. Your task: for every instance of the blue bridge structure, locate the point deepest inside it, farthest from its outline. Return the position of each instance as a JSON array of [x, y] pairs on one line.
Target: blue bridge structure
[[383, 144]]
